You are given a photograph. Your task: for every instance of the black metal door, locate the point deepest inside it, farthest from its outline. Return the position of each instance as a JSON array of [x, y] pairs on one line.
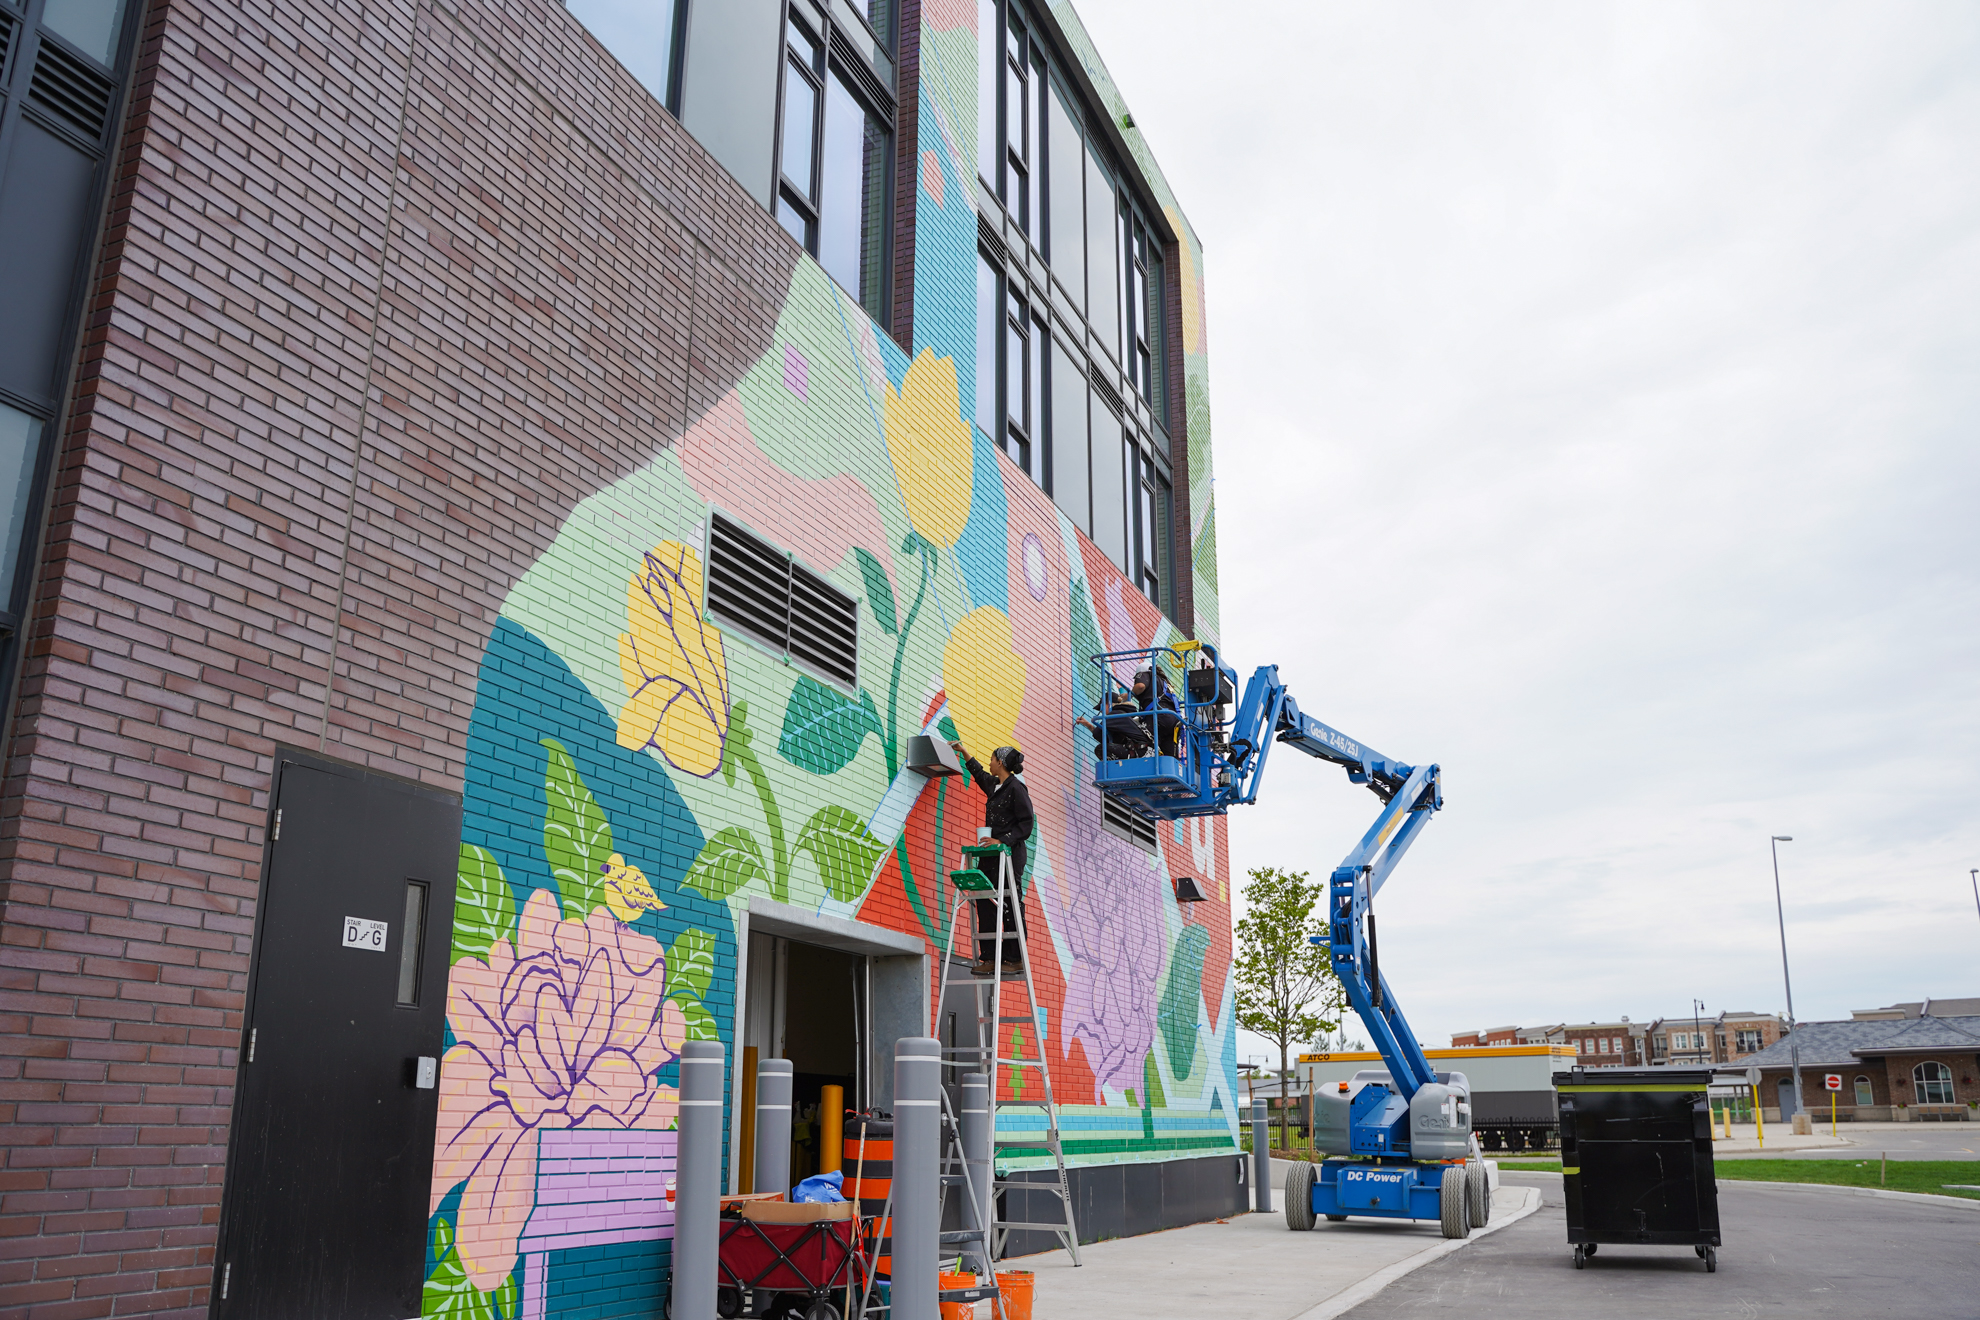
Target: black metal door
[[331, 1156]]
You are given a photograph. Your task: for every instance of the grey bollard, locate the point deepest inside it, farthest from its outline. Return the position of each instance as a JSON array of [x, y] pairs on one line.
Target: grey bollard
[[978, 1122], [698, 1181], [773, 1126], [1261, 1158], [917, 1139]]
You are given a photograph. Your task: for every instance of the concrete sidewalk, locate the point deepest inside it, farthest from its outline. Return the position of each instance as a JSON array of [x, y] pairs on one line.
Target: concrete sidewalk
[[1251, 1266]]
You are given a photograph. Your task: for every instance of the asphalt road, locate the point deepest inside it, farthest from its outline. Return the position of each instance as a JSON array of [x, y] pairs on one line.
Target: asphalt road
[[1807, 1254], [1905, 1141]]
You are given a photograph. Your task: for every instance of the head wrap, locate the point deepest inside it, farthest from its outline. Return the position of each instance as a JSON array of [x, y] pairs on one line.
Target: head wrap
[[1012, 758]]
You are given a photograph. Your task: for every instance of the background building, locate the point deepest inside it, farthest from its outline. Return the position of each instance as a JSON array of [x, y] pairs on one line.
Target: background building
[[1717, 1038], [1918, 1068], [496, 487]]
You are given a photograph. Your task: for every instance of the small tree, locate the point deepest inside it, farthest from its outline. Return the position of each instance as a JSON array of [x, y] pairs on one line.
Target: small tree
[[1286, 989]]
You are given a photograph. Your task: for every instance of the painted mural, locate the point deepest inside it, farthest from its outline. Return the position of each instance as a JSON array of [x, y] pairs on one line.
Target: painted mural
[[635, 776]]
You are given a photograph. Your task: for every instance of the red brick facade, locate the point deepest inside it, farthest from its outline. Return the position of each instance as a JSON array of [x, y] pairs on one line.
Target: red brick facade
[[386, 290]]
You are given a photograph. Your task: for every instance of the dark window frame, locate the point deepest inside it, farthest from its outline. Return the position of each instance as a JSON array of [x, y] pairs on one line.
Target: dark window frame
[[837, 58]]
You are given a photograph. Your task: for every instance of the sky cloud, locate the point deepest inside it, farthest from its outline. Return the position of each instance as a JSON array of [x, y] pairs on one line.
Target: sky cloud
[[1597, 410]]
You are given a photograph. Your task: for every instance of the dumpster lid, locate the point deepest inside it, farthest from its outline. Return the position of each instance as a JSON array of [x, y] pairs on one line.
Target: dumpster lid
[[1633, 1079]]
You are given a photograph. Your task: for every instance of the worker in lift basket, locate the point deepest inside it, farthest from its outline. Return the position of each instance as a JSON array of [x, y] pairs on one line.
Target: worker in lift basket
[[1151, 715], [1008, 817]]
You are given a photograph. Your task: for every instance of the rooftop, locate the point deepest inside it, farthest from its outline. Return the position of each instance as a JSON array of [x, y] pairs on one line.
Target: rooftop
[[1849, 1042]]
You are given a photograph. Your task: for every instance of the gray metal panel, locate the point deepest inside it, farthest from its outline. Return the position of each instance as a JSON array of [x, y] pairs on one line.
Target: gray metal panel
[[729, 86], [768, 917]]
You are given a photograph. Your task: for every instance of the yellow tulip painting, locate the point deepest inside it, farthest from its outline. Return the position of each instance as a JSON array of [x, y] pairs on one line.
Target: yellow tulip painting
[[932, 448], [671, 661], [984, 676]]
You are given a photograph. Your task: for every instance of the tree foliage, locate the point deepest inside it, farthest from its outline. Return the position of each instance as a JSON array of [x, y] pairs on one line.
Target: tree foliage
[[1286, 989]]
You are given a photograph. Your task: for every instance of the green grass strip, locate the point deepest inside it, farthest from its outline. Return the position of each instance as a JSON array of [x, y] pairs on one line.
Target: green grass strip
[[1928, 1176]]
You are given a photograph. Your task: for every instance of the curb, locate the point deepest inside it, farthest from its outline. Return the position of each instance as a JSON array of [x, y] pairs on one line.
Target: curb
[[1884, 1192], [1351, 1297], [1931, 1197]]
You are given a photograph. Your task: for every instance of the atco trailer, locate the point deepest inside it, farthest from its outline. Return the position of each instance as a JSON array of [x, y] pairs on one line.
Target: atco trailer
[[1512, 1087]]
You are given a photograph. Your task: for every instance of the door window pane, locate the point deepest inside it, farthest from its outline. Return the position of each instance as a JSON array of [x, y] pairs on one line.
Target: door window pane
[[1069, 477], [639, 33], [20, 437], [852, 207], [89, 25], [800, 113], [1066, 231], [1110, 517], [412, 941]]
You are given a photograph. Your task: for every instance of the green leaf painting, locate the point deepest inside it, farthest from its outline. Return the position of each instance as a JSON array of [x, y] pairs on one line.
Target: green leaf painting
[[701, 1024], [484, 910], [1085, 645], [448, 1292], [691, 963], [844, 849], [879, 592], [947, 728], [576, 836], [728, 861], [1176, 1014], [823, 727]]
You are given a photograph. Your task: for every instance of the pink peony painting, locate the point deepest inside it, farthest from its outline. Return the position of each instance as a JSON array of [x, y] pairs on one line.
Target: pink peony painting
[[563, 1028]]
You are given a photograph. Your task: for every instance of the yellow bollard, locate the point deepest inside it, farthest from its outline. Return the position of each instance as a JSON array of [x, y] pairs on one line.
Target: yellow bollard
[[1759, 1123]]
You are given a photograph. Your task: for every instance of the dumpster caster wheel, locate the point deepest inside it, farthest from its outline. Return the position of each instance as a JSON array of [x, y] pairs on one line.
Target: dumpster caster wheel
[[1299, 1196], [1700, 1251], [1589, 1248], [1580, 1257], [1711, 1261], [1337, 1219]]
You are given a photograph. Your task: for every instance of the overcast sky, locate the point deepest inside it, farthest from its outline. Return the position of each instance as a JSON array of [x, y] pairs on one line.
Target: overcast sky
[[1596, 391]]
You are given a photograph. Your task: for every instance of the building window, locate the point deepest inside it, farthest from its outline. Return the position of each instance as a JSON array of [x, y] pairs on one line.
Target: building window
[[1152, 534], [1748, 1041], [1022, 376], [835, 157], [988, 302], [1144, 311], [1934, 1082], [1864, 1095], [644, 35]]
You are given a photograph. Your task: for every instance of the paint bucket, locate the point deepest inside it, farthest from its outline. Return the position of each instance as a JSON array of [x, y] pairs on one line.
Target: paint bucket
[[957, 1310], [1014, 1294], [868, 1165]]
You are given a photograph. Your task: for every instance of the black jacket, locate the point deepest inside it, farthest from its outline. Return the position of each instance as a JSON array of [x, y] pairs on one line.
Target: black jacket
[[1008, 813]]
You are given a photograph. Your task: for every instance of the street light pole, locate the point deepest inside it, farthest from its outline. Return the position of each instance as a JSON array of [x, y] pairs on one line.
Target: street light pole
[[1697, 1031], [1780, 912], [1975, 873]]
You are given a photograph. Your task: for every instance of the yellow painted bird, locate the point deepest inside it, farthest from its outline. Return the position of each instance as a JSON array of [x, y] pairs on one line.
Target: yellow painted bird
[[627, 893]]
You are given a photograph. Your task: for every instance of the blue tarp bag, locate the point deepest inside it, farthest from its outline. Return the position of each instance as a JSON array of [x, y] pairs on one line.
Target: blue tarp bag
[[821, 1189]]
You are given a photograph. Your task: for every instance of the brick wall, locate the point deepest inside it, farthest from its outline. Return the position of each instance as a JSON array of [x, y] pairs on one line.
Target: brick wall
[[387, 290]]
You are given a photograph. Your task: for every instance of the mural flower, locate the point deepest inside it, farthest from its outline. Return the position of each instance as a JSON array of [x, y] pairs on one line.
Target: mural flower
[[984, 676], [932, 448], [564, 1028], [1108, 906], [671, 662]]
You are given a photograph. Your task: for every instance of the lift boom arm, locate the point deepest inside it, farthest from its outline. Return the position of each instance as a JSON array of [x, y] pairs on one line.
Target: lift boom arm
[[1219, 765]]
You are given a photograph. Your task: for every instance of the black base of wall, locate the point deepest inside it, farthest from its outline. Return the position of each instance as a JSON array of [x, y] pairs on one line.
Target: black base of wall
[[1122, 1200]]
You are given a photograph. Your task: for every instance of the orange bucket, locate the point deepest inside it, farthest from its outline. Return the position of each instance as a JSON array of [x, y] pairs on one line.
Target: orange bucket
[[957, 1310], [1014, 1294]]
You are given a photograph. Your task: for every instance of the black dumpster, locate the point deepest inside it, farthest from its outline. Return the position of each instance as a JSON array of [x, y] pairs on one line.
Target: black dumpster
[[1636, 1149]]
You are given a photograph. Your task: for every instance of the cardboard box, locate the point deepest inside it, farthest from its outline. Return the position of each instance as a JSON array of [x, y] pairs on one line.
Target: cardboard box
[[796, 1212]]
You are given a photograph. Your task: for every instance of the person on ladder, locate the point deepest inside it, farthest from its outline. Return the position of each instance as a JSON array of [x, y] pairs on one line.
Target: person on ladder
[[1009, 818]]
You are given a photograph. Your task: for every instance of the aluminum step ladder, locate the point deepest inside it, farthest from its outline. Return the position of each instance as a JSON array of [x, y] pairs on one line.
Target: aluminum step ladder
[[987, 992]]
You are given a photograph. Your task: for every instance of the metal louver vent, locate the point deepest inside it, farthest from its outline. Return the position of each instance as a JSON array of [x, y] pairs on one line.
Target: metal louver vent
[[71, 90], [6, 42], [1123, 823], [761, 592]]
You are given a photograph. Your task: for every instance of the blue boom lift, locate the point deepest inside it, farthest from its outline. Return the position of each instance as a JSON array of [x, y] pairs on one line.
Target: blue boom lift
[[1401, 1137]]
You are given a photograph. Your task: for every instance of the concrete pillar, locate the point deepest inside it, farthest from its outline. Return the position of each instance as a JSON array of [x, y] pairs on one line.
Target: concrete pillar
[[773, 1126], [917, 1146], [1261, 1158], [698, 1180], [978, 1124]]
